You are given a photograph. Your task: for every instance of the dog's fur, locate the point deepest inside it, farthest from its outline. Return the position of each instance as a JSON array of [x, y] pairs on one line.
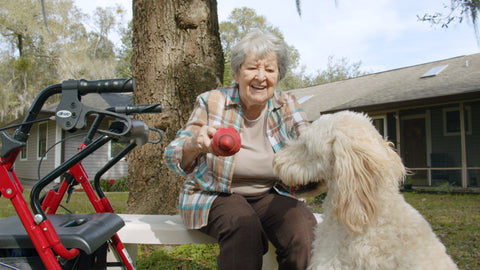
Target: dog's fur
[[366, 224]]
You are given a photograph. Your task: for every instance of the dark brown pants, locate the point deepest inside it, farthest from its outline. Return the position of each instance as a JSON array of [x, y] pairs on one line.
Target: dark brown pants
[[243, 225]]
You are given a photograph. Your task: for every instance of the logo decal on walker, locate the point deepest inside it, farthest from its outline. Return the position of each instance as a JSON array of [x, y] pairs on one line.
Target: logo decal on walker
[[64, 114]]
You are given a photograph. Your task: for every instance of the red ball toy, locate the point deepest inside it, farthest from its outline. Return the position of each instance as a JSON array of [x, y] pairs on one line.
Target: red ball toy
[[226, 141]]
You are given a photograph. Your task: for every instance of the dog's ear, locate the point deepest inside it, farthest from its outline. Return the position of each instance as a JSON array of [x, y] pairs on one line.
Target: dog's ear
[[355, 179], [393, 167], [365, 166]]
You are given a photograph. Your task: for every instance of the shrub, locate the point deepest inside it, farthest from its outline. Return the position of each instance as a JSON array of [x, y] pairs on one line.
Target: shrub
[[120, 185], [112, 185]]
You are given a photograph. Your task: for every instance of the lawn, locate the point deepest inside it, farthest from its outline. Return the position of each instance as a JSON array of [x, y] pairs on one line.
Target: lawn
[[456, 221], [455, 218], [78, 203]]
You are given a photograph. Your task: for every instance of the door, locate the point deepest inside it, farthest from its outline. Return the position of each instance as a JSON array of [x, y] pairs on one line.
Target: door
[[414, 143]]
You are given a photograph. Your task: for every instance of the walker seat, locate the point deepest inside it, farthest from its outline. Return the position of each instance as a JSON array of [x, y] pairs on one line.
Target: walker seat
[[86, 232]]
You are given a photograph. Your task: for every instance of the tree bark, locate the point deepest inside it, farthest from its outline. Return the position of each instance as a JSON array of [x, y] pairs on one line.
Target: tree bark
[[177, 55]]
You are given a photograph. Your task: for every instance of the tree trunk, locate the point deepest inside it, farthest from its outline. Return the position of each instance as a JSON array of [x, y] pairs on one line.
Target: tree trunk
[[176, 56]]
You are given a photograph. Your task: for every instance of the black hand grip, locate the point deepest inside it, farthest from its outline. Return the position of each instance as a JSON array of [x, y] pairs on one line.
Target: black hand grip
[[152, 108], [100, 86]]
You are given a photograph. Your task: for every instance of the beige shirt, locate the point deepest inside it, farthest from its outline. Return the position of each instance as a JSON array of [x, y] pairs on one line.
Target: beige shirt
[[253, 172]]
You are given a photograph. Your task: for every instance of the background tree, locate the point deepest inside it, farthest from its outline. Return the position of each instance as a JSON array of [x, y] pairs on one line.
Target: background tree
[[457, 11], [243, 20], [24, 37], [337, 70], [239, 23], [33, 56], [124, 53], [176, 56]]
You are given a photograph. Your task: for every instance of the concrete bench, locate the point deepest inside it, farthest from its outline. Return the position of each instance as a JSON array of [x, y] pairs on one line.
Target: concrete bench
[[169, 230]]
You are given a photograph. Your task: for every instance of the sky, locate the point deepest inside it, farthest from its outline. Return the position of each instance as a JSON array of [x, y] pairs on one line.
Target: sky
[[381, 34]]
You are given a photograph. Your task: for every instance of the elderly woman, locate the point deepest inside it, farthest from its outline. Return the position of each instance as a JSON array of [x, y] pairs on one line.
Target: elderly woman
[[238, 199]]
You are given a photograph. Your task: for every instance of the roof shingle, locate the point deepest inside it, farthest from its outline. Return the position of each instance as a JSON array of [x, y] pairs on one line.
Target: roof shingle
[[383, 89]]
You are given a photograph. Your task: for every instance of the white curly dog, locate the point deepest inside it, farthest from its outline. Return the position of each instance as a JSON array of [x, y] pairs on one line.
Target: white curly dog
[[366, 223]]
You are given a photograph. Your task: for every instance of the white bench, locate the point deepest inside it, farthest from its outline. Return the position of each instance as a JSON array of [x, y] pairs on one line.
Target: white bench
[[169, 230]]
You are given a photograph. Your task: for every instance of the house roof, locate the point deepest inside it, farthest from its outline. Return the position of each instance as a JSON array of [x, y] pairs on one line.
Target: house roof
[[455, 79]]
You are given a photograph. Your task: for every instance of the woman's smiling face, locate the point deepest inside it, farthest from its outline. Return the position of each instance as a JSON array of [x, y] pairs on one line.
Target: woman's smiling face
[[257, 80]]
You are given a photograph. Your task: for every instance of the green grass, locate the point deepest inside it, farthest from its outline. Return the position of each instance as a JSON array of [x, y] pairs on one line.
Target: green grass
[[191, 257], [78, 203], [456, 221], [455, 218]]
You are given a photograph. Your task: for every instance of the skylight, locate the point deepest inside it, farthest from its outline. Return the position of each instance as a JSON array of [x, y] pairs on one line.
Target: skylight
[[303, 99], [434, 71]]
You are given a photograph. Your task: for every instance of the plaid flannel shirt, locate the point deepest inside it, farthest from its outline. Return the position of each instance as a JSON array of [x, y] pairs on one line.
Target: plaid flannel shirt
[[212, 175]]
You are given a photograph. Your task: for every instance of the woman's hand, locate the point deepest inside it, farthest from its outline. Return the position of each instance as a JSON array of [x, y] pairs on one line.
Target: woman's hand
[[200, 142]]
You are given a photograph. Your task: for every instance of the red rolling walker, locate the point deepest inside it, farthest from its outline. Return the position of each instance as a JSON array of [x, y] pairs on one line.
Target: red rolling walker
[[42, 239]]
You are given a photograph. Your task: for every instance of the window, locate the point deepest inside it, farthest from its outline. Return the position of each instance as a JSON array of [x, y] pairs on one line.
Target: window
[[380, 123], [23, 153], [115, 148], [451, 121], [42, 140], [303, 99], [434, 71]]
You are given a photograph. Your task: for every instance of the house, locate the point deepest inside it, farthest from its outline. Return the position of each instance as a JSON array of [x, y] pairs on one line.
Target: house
[[43, 152], [431, 112]]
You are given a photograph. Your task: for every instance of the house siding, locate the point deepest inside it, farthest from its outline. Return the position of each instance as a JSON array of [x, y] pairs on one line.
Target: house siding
[[97, 160], [444, 150], [473, 149], [28, 169], [473, 139], [444, 144]]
